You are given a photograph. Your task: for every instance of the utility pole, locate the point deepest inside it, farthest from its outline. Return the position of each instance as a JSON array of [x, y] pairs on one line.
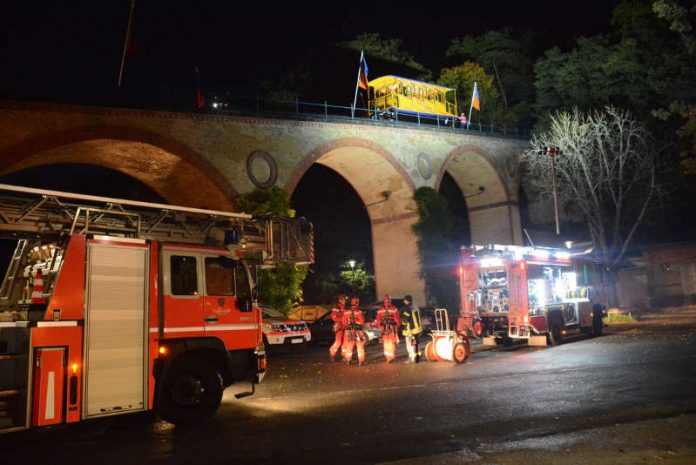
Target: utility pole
[[553, 151]]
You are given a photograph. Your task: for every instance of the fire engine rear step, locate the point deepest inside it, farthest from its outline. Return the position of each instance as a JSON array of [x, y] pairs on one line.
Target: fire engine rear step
[[537, 341], [241, 395]]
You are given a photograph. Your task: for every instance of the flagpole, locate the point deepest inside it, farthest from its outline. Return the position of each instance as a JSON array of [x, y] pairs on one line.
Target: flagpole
[[357, 82], [468, 121], [125, 43]]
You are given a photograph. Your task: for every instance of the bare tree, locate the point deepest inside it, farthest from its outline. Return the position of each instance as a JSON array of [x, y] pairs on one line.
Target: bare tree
[[606, 173]]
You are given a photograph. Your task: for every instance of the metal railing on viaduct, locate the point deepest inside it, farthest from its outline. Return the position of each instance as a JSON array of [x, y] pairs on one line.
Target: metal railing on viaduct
[[221, 103]]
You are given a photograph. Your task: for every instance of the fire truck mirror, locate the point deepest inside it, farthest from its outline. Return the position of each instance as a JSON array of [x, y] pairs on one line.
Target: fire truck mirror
[[245, 305]]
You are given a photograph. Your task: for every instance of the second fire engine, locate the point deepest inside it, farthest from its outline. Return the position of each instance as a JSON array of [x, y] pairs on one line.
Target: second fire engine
[[532, 293]]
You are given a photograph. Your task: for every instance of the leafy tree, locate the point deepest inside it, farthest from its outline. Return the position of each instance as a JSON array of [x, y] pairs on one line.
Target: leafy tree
[[289, 86], [462, 78], [280, 287], [594, 73], [358, 282], [508, 60], [389, 50], [437, 253], [681, 21], [273, 201], [640, 67], [607, 172]]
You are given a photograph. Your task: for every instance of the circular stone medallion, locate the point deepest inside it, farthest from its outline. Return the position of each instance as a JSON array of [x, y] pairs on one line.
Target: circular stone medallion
[[424, 165], [262, 169]]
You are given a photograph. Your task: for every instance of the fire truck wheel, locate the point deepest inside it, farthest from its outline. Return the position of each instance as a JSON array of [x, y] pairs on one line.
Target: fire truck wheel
[[554, 334], [430, 352], [597, 323], [477, 329], [190, 392], [459, 354]]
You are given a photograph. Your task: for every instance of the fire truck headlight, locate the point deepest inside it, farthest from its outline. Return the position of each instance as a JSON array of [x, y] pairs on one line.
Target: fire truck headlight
[[163, 350], [526, 319], [74, 368]]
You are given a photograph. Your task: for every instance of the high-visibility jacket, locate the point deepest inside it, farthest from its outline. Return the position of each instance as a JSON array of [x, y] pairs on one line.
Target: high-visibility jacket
[[411, 321], [388, 319], [337, 317], [353, 319]]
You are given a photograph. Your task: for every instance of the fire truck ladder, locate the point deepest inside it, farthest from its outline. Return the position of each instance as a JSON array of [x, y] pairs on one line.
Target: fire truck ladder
[[27, 212]]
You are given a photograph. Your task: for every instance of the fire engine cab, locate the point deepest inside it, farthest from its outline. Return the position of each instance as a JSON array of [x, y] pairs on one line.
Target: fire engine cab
[[533, 293], [112, 306]]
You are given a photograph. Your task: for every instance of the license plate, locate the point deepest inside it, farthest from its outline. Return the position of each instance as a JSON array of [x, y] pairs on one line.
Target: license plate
[[297, 340]]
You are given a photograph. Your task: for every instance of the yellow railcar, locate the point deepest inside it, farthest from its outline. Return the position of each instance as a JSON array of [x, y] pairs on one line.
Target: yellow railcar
[[389, 94]]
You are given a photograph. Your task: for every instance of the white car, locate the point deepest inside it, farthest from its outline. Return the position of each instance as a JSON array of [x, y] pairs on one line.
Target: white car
[[279, 330]]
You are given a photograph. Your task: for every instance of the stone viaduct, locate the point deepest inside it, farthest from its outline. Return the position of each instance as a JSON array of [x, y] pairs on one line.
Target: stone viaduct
[[204, 160]]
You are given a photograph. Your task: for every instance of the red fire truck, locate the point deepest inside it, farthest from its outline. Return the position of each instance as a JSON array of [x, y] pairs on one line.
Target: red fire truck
[[112, 306], [539, 294]]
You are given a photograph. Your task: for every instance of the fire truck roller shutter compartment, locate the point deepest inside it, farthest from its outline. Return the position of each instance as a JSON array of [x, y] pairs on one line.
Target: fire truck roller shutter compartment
[[116, 328]]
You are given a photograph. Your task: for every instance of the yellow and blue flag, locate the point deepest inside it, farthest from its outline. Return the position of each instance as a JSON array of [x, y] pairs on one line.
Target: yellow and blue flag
[[476, 99]]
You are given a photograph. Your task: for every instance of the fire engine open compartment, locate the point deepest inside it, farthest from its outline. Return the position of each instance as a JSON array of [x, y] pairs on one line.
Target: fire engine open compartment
[[14, 375], [528, 293]]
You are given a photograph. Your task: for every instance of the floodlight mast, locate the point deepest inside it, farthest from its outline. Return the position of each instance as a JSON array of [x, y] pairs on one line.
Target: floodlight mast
[[553, 151]]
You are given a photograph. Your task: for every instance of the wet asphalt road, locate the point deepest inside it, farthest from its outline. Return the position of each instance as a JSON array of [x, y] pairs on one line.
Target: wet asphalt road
[[309, 410]]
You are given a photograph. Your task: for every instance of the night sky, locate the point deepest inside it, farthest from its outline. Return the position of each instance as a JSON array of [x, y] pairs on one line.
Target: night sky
[[71, 50]]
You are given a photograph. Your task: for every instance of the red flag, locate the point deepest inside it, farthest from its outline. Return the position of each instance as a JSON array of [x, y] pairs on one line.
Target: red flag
[[199, 99], [200, 102]]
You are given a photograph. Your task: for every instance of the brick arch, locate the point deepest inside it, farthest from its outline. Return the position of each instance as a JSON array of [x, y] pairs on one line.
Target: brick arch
[[372, 170], [482, 158], [344, 142], [172, 169], [493, 212]]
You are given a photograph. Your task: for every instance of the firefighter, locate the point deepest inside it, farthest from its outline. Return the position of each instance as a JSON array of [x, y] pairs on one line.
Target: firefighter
[[353, 321], [337, 318], [388, 321], [411, 328]]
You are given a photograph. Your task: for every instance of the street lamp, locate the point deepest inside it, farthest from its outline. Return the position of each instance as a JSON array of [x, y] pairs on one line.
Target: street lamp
[[553, 151], [352, 276]]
